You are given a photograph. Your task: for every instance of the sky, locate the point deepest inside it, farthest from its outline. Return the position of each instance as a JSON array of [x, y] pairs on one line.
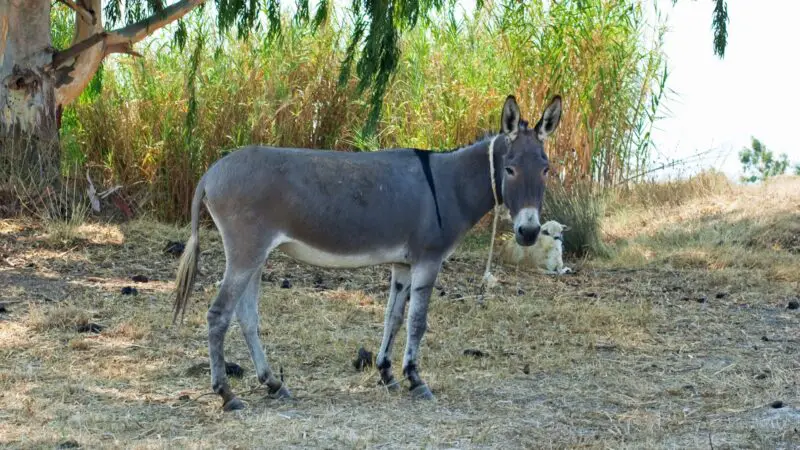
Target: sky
[[718, 104]]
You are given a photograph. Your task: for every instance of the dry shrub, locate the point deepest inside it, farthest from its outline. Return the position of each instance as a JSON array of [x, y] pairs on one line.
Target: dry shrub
[[581, 208], [57, 318], [650, 194]]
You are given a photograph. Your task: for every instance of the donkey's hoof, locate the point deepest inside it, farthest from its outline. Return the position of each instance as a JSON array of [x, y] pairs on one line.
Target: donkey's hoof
[[233, 404], [422, 392], [281, 394]]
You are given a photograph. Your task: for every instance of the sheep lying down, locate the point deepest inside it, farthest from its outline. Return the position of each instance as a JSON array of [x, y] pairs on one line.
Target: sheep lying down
[[545, 255]]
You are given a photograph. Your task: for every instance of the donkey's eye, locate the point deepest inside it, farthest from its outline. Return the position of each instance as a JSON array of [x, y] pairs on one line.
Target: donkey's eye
[[510, 171]]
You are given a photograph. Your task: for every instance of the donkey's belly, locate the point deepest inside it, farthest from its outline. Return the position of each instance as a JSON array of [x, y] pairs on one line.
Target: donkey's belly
[[311, 255]]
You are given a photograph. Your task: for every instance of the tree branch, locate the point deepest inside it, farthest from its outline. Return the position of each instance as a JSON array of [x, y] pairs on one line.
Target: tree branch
[[122, 47], [75, 66], [87, 16], [136, 32], [59, 58]]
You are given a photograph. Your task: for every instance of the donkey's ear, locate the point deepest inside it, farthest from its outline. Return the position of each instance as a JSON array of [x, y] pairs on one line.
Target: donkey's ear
[[509, 123], [550, 119]]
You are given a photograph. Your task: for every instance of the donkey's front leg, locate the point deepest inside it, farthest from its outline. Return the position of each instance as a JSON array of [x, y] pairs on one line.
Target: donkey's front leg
[[395, 310], [423, 277]]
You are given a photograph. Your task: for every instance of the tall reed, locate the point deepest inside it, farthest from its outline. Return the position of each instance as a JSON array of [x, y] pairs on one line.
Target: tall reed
[[159, 121]]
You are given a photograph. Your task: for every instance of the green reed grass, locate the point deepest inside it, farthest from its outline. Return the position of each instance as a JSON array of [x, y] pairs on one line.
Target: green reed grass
[[160, 121]]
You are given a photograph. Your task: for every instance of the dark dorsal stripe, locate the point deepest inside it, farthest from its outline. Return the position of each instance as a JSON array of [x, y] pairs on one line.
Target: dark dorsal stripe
[[425, 160]]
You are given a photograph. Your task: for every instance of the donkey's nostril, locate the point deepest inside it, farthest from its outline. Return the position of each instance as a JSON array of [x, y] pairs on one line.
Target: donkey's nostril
[[528, 235]]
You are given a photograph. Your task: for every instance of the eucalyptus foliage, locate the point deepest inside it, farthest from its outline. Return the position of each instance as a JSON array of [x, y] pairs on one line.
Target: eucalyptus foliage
[[373, 48]]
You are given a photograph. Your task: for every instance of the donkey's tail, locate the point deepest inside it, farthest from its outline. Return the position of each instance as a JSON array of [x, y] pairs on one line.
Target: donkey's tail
[[187, 269]]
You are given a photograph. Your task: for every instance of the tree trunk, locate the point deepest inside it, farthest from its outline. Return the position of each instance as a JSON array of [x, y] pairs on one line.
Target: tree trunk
[[28, 119]]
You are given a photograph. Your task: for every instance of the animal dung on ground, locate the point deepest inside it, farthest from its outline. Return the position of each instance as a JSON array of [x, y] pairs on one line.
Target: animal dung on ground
[[140, 279], [794, 304], [3, 308], [475, 353], [527, 369], [286, 283], [777, 404], [721, 295], [128, 290], [234, 370], [89, 328], [68, 444], [174, 248], [763, 375], [231, 369], [363, 359]]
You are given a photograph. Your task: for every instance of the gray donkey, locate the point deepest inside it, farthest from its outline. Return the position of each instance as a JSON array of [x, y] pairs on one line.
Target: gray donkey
[[405, 207]]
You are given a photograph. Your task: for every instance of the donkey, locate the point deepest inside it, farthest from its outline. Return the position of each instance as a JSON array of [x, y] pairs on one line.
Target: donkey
[[405, 207]]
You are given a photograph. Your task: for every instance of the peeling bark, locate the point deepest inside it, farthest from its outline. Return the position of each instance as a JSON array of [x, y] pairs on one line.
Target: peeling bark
[[73, 77], [28, 131]]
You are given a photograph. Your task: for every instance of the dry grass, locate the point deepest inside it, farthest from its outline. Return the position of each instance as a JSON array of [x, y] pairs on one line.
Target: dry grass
[[620, 355]]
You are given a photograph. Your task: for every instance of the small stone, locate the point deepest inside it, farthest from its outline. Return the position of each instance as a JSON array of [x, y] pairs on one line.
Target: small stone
[[794, 304], [140, 278], [721, 295], [286, 284], [777, 404], [128, 290]]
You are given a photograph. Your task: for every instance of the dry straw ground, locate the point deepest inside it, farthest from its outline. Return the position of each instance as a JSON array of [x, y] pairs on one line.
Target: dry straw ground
[[682, 339]]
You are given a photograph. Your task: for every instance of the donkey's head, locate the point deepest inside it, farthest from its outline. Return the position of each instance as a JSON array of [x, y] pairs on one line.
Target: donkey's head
[[525, 167]]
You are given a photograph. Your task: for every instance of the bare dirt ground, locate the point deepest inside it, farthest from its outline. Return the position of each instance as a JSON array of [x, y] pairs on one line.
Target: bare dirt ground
[[685, 339]]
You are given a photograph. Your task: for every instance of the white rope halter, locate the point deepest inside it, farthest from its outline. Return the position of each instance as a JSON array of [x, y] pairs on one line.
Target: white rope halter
[[490, 280]]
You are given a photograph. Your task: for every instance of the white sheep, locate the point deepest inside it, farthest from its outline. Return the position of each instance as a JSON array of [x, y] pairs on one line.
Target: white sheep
[[545, 255]]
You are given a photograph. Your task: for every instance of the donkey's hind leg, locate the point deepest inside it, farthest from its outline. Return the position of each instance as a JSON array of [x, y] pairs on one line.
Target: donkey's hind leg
[[234, 284], [247, 314]]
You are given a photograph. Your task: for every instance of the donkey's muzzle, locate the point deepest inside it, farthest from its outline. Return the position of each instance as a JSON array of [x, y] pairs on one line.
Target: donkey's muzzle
[[526, 236]]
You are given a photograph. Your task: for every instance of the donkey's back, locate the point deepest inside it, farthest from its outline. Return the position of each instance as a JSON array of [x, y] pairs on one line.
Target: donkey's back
[[337, 203]]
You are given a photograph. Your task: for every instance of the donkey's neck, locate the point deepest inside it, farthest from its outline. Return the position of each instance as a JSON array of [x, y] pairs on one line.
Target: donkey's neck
[[473, 182]]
